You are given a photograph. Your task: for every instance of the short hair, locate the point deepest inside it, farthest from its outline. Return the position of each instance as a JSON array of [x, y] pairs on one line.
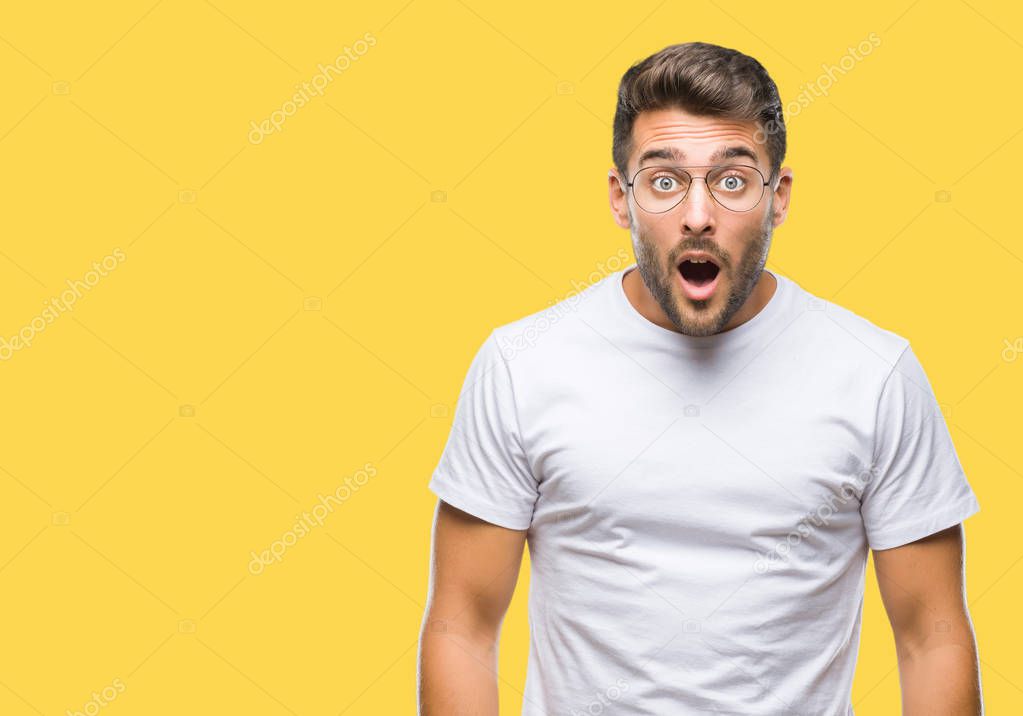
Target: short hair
[[705, 80]]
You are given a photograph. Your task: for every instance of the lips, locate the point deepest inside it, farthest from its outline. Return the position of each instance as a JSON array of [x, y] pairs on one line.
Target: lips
[[699, 274]]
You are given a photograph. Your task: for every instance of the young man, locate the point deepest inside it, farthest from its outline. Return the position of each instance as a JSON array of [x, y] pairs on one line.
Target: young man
[[700, 454]]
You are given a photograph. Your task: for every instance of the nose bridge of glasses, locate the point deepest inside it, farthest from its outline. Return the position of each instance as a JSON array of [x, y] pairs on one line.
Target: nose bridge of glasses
[[688, 190], [704, 197]]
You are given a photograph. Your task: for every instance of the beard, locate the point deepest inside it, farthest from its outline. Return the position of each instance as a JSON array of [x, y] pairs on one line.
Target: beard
[[739, 277]]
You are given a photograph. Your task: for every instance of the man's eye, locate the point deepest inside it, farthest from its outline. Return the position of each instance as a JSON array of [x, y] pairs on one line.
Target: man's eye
[[732, 183]]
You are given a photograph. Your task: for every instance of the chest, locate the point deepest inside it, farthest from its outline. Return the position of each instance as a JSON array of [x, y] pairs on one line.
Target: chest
[[686, 462]]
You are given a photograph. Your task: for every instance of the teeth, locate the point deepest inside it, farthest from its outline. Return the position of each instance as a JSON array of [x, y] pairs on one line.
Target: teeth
[[698, 261]]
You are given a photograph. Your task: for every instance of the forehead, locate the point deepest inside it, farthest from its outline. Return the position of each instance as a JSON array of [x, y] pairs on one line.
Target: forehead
[[697, 137]]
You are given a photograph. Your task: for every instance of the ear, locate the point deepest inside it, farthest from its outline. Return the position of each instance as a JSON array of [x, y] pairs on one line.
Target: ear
[[618, 198], [782, 196]]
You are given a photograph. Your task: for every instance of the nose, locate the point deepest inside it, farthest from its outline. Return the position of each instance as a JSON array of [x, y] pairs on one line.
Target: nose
[[698, 208]]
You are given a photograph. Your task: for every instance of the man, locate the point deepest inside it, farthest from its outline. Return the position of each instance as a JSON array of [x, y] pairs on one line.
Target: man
[[700, 454]]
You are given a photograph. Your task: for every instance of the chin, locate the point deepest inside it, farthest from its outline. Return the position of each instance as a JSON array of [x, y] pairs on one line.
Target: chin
[[696, 321], [701, 328]]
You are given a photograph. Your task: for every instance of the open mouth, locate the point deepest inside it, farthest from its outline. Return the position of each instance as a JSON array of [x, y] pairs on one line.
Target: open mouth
[[699, 277]]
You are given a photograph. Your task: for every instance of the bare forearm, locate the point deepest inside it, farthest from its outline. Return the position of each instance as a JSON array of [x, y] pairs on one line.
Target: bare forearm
[[941, 680], [457, 672]]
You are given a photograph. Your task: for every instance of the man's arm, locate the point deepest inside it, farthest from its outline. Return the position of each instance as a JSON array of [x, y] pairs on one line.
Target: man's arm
[[474, 569], [922, 588]]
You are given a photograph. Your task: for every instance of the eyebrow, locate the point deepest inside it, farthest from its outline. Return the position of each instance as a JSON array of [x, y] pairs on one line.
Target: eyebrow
[[679, 156]]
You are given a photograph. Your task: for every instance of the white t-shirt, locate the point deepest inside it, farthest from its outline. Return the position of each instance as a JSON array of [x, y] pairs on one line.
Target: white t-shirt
[[699, 509]]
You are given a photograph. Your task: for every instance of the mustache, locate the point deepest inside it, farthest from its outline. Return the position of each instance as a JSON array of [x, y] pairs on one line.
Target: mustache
[[720, 256]]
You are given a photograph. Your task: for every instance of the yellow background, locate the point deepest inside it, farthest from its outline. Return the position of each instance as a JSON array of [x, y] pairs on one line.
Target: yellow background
[[292, 310]]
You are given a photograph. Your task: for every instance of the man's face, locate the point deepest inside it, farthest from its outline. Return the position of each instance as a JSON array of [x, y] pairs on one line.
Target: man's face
[[699, 298]]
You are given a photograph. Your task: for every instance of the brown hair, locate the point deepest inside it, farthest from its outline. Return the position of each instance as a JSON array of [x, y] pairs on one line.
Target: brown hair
[[701, 79]]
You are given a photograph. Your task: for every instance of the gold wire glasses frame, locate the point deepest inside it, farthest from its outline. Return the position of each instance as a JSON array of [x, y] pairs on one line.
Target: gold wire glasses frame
[[658, 200]]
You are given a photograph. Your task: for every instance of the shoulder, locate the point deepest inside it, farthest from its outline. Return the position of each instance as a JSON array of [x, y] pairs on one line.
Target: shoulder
[[563, 325], [847, 338]]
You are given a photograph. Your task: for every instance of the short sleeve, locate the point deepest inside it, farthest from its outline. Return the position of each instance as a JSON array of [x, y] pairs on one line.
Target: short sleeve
[[483, 469], [917, 486]]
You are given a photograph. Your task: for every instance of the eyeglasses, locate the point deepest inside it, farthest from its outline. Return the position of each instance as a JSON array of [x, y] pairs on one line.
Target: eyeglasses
[[736, 187]]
